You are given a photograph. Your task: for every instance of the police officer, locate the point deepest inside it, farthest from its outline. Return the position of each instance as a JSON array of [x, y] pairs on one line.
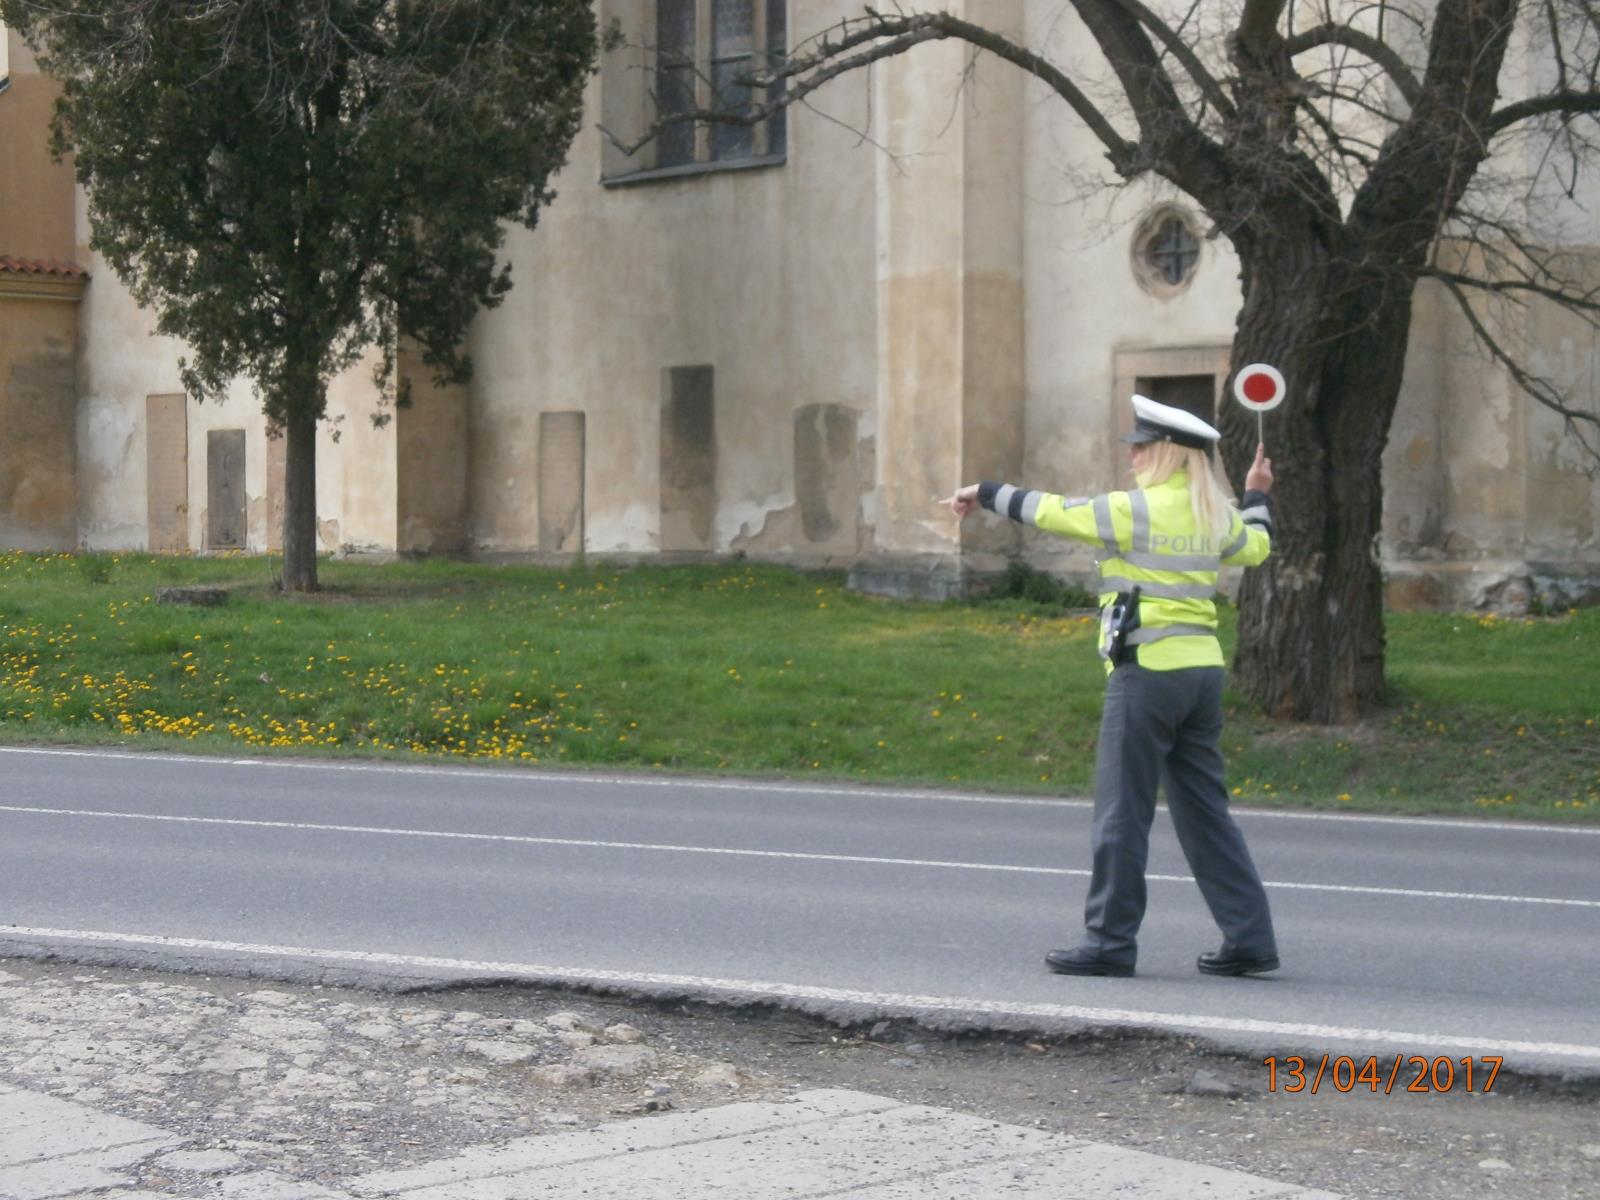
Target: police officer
[[1161, 545]]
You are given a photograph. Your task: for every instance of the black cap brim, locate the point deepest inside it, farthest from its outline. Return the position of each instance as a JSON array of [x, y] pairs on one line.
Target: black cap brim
[[1140, 437]]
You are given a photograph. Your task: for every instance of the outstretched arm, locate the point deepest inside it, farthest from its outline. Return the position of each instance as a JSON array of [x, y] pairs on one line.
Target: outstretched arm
[[1073, 517]]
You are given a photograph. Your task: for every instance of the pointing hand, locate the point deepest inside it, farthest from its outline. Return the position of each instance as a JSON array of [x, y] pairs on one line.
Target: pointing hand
[[963, 502]]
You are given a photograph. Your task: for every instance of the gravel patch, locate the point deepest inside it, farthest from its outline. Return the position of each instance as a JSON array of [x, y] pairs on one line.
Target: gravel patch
[[317, 1084]]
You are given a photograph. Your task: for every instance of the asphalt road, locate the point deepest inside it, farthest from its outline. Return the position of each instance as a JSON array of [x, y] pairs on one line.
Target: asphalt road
[[1435, 938]]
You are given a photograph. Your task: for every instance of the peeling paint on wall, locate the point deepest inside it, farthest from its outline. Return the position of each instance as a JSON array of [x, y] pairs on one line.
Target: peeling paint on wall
[[941, 308], [561, 481], [108, 435], [632, 528], [826, 478]]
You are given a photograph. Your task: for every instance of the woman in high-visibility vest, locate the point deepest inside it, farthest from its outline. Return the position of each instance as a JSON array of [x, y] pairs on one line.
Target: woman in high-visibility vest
[[1161, 545]]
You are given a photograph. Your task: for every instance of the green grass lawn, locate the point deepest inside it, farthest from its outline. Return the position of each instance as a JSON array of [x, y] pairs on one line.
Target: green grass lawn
[[741, 668]]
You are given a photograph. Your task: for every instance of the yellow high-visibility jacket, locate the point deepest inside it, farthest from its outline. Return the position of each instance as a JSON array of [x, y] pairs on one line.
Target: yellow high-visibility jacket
[[1148, 539]]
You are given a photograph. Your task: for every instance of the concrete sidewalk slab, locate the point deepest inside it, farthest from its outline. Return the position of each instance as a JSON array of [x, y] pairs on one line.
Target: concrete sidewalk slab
[[33, 1126], [269, 1185], [677, 1129], [820, 1144], [51, 1147]]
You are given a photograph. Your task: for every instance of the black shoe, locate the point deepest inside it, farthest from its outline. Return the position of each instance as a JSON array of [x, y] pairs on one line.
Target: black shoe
[[1227, 962], [1084, 962]]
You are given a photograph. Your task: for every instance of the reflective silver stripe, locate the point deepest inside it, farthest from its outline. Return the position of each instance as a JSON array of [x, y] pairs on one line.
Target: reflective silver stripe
[[1172, 562], [1237, 544], [1102, 523], [1030, 506], [1140, 637], [1141, 519], [1260, 514], [1161, 591], [1002, 499]]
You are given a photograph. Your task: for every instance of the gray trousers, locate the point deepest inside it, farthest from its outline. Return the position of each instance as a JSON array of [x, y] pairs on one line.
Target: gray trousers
[[1163, 727]]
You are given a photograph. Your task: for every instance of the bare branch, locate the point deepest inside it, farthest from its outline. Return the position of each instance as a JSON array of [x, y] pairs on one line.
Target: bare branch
[[1180, 50], [1581, 305], [885, 37], [1170, 140], [1568, 103], [1430, 160], [1340, 144], [1378, 51], [1355, 100], [1555, 41], [1536, 387], [1527, 260], [1258, 25]]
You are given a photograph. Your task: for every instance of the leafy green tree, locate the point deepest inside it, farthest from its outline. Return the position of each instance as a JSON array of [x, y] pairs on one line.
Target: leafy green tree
[[288, 183]]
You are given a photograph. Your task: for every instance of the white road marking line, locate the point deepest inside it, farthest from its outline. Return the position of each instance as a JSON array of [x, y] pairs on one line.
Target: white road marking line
[[537, 775], [1319, 1034], [737, 852]]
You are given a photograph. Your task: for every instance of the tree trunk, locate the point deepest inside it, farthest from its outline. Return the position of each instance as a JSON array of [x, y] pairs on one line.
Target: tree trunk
[[1311, 639], [300, 499]]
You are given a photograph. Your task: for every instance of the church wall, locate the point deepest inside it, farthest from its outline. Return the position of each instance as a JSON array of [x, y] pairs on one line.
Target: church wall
[[765, 276], [796, 359], [1092, 328], [122, 362]]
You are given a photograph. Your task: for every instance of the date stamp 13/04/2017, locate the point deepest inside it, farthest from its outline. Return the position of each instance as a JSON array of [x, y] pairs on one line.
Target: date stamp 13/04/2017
[[1407, 1073]]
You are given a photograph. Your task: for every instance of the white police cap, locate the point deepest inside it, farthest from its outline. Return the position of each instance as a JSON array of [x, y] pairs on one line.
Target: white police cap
[[1153, 422]]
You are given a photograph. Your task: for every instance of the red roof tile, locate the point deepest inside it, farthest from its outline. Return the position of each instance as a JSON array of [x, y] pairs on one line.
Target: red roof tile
[[40, 266]]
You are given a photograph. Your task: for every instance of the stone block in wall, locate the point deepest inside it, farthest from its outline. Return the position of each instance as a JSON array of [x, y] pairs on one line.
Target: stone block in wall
[[561, 473], [924, 576], [688, 458], [38, 413], [166, 456], [225, 496], [1412, 593], [277, 449], [827, 481]]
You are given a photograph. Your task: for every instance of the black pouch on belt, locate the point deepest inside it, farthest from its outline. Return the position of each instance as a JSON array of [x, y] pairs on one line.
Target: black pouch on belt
[[1122, 620]]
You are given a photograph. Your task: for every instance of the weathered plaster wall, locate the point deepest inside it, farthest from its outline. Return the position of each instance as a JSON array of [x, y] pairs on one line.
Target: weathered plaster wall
[[766, 276], [430, 462], [1561, 529], [37, 385], [35, 191], [122, 362], [357, 466], [951, 365], [1489, 500], [1084, 305], [1482, 487], [1414, 468], [878, 326], [921, 214]]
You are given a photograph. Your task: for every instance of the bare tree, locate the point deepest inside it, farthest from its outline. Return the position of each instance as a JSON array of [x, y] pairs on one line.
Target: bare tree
[[1343, 161]]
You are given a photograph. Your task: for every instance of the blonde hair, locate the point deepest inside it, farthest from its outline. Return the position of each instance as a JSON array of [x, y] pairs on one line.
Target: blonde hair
[[1209, 496]]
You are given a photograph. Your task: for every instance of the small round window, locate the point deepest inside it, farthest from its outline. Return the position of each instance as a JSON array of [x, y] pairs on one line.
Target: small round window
[[1166, 251]]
